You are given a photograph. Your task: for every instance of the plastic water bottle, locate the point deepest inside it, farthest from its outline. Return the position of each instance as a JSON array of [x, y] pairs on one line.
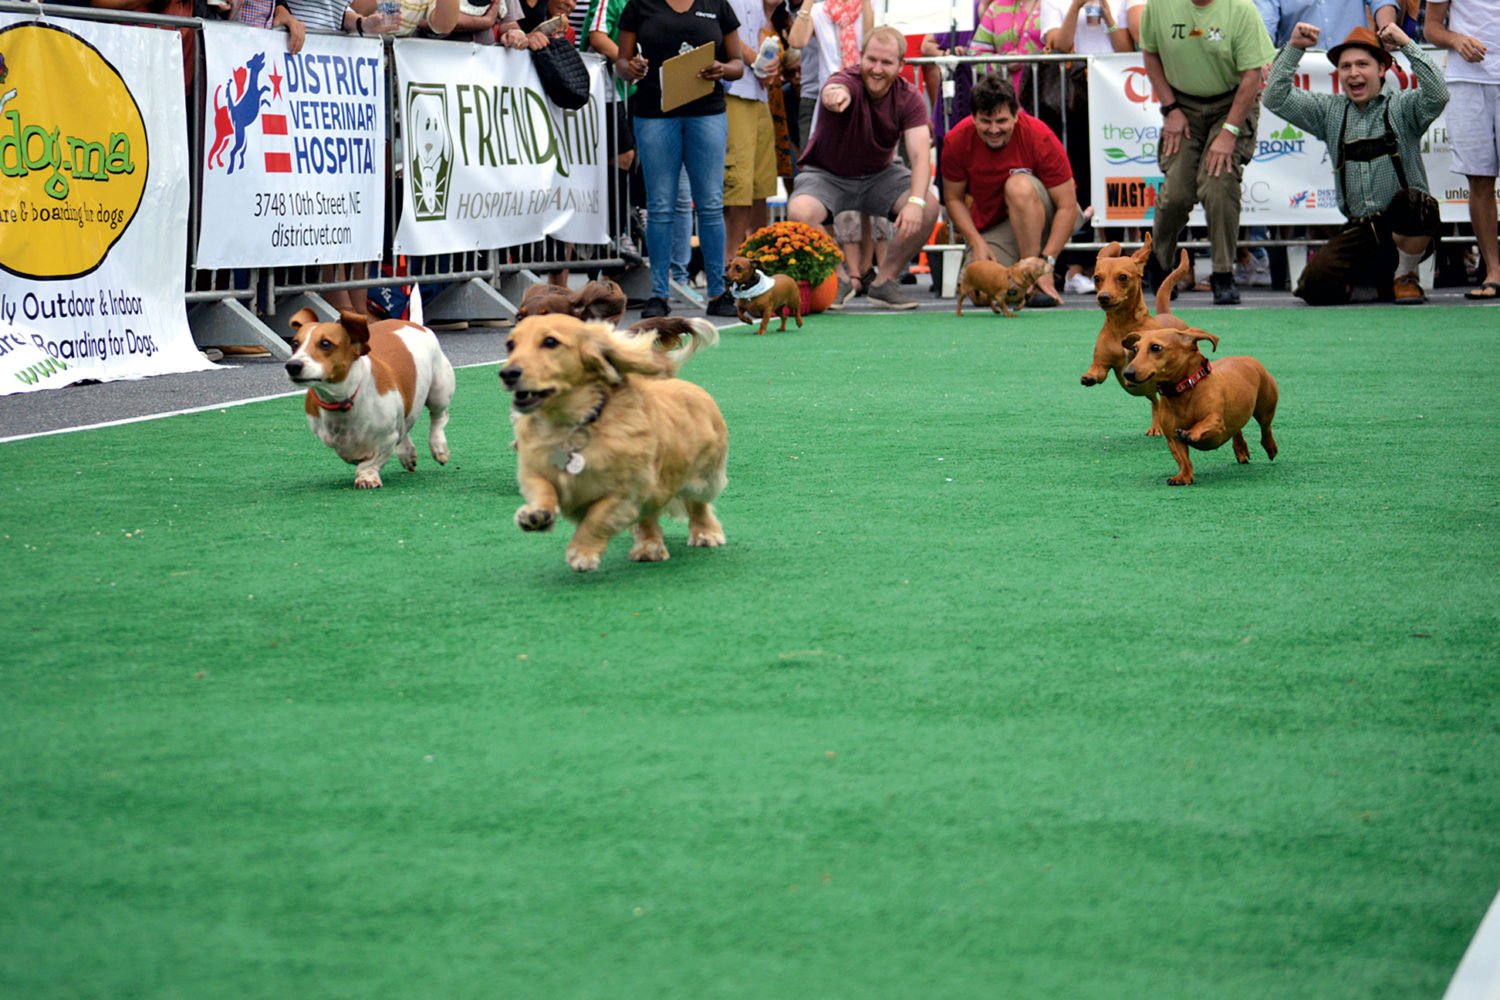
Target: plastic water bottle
[[770, 51], [1093, 13]]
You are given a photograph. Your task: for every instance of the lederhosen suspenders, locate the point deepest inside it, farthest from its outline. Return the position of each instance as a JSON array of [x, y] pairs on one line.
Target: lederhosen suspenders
[[1365, 150]]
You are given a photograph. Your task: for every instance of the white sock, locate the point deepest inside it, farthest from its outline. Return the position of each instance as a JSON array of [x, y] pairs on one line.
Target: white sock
[[1406, 263]]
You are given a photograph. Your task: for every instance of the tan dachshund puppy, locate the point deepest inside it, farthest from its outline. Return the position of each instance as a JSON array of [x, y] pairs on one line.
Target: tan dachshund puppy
[[366, 384], [607, 437], [1117, 283], [759, 294], [601, 300], [1201, 405], [1003, 289], [543, 299]]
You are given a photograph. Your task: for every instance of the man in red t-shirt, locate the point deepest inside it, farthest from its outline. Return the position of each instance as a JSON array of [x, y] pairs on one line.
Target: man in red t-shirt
[[1007, 184], [847, 163]]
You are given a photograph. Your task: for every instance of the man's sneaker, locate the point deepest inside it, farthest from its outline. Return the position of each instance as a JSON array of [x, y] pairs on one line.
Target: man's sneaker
[[866, 282], [1079, 284], [844, 293], [1225, 294], [655, 306], [723, 306], [1260, 272], [1409, 290], [1242, 273], [889, 295]]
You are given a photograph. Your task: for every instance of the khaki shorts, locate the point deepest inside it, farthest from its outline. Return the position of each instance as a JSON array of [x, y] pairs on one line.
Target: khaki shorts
[[750, 159], [1002, 238]]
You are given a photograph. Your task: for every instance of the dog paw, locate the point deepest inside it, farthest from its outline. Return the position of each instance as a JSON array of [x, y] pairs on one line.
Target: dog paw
[[1184, 435], [706, 539], [1088, 380], [1153, 431], [1180, 481], [441, 455], [582, 562], [367, 481], [652, 551], [535, 519]]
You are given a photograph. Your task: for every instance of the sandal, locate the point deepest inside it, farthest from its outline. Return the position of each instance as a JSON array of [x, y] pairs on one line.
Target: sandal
[[1487, 292]]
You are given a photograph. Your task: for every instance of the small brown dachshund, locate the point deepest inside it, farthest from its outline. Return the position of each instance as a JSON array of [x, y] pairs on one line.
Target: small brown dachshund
[[759, 294], [1003, 289], [1201, 405]]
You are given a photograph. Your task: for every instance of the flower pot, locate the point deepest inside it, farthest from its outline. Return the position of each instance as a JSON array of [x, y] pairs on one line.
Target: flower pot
[[821, 296]]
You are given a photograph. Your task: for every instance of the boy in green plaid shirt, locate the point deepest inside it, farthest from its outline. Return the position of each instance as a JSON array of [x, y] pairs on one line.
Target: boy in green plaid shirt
[[1375, 140]]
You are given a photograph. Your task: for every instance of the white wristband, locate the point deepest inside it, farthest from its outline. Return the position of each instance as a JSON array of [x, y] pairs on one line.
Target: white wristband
[[914, 200], [1231, 129]]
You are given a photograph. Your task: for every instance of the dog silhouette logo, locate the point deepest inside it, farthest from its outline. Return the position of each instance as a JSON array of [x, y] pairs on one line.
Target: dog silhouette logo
[[237, 105], [429, 150]]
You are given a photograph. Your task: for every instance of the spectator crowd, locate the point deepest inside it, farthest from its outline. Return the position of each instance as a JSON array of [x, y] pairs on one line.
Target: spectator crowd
[[818, 97]]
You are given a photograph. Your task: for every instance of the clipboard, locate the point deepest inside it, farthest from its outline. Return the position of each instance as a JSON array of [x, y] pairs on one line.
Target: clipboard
[[680, 82]]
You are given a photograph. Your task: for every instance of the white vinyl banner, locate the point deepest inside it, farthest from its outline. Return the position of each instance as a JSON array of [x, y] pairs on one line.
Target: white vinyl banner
[[1290, 181], [487, 160], [294, 167], [93, 214]]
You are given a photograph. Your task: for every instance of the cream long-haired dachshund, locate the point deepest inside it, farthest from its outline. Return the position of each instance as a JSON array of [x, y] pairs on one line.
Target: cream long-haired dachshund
[[609, 438]]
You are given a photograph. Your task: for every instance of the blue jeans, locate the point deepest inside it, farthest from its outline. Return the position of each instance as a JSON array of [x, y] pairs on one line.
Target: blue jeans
[[665, 146], [682, 230]]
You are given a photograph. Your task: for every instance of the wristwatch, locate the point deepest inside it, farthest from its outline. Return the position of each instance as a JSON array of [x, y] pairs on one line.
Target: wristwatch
[[1167, 109], [1051, 262]]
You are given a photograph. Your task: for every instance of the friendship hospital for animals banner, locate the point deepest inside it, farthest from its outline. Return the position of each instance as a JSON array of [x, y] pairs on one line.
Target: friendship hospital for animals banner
[[487, 160], [94, 205], [1290, 181], [294, 166]]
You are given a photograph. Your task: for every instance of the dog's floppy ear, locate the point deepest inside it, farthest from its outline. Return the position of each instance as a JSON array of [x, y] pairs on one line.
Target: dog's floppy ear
[[358, 325], [1130, 340], [304, 317], [614, 355], [1197, 335]]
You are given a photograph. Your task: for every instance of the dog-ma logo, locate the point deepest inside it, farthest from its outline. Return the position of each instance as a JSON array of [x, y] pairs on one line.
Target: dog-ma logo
[[429, 150], [1287, 142], [75, 170]]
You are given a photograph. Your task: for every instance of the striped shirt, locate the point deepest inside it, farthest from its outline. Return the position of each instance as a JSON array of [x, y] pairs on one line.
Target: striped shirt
[[1372, 184]]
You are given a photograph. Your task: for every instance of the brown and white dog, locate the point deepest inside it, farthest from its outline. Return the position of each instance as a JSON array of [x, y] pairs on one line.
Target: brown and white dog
[[366, 383], [1117, 284], [1202, 405], [609, 438], [1003, 289]]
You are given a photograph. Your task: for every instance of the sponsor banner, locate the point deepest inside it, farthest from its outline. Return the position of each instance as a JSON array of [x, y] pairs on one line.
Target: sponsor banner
[[93, 211], [294, 166], [487, 160], [1290, 181]]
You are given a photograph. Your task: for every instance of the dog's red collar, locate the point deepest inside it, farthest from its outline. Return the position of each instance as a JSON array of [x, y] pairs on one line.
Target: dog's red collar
[[1178, 388], [342, 406]]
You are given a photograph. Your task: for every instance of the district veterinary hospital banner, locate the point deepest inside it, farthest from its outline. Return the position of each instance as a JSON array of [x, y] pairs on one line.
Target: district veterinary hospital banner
[[488, 160], [1290, 181], [93, 205], [293, 149]]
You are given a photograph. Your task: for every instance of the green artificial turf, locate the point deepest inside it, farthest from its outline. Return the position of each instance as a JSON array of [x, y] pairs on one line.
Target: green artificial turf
[[971, 705]]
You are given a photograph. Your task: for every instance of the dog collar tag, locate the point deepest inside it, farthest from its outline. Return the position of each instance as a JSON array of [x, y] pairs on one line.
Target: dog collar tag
[[571, 462]]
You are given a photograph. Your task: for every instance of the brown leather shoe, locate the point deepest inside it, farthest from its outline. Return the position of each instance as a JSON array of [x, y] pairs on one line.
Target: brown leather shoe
[[1408, 290]]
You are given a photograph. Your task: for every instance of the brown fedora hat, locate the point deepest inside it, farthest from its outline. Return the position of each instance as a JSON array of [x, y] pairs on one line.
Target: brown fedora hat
[[1362, 38]]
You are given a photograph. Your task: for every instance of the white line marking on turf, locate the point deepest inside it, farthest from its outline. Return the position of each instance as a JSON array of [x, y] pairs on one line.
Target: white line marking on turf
[[1478, 975], [177, 413]]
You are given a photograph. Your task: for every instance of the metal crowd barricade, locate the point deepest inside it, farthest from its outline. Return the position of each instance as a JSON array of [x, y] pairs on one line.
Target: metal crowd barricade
[[252, 305]]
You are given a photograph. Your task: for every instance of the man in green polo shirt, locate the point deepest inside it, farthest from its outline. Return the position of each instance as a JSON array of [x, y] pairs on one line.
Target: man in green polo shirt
[[1204, 59]]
